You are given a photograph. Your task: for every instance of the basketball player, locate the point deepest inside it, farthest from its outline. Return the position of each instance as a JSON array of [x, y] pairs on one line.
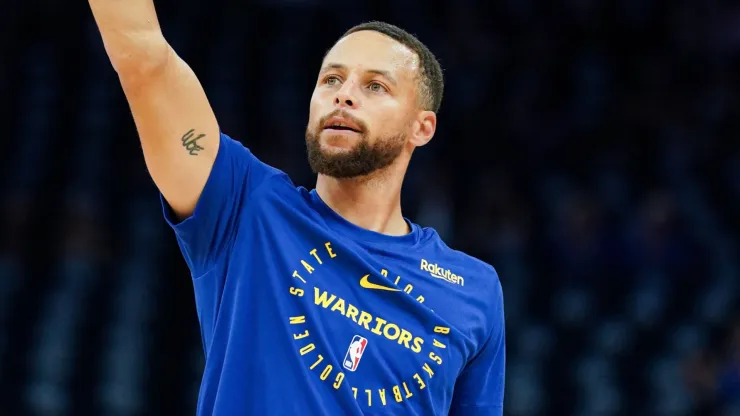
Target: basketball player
[[324, 301]]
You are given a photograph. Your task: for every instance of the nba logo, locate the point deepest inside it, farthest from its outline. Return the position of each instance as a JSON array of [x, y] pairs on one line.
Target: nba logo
[[354, 353]]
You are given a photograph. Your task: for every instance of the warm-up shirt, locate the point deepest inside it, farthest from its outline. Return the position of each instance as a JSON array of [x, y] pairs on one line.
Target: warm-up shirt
[[304, 313]]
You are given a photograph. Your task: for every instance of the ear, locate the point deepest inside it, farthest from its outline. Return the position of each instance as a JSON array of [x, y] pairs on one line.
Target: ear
[[424, 127]]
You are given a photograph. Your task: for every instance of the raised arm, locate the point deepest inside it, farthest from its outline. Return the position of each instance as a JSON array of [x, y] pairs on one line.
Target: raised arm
[[177, 128]]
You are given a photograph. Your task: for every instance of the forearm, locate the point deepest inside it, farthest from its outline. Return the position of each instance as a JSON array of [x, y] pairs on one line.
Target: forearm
[[131, 34]]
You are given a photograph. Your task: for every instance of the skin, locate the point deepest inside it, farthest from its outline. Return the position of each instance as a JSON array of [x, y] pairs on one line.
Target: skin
[[372, 79]]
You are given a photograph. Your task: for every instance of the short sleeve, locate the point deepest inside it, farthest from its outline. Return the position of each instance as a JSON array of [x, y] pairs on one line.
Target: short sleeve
[[235, 176], [479, 391]]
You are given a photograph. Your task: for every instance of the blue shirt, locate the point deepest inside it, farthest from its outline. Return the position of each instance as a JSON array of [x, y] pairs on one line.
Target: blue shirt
[[302, 312]]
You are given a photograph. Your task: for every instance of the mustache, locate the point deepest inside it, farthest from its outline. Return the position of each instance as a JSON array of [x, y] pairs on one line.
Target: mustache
[[341, 113]]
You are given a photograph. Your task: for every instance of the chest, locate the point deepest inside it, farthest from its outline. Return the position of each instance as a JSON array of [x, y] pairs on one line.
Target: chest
[[364, 321]]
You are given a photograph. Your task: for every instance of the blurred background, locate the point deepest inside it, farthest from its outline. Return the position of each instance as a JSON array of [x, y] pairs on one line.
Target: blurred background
[[588, 150]]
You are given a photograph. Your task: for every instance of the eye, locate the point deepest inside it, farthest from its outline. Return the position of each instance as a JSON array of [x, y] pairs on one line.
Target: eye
[[331, 80], [377, 87]]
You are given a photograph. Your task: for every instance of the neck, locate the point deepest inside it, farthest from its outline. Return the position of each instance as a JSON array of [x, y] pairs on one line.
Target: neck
[[372, 202]]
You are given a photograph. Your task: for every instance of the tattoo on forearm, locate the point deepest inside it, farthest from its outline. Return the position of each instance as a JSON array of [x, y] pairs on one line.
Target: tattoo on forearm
[[190, 142]]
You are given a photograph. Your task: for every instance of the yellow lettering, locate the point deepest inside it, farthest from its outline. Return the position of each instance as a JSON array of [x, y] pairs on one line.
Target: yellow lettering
[[307, 266], [397, 394], [408, 393], [313, 253], [428, 369], [298, 276], [338, 380], [352, 312], [398, 278], [381, 392], [326, 372], [434, 357], [405, 338], [321, 299], [420, 299], [339, 306], [294, 320], [438, 344], [408, 288], [384, 272], [396, 331], [417, 345], [365, 319], [369, 397], [296, 292], [441, 330], [300, 336], [380, 321], [308, 348], [321, 358], [328, 249], [354, 390], [420, 381]]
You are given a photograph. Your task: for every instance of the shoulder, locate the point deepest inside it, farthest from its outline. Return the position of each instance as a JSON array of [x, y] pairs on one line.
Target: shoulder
[[476, 285], [233, 151], [257, 176], [467, 268]]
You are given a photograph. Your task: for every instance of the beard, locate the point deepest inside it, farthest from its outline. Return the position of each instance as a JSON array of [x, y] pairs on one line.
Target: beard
[[362, 160]]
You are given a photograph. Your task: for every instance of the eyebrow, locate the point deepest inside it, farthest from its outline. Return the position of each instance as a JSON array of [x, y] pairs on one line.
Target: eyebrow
[[380, 72]]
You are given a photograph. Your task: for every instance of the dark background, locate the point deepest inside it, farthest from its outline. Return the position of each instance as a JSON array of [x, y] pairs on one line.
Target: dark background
[[588, 150]]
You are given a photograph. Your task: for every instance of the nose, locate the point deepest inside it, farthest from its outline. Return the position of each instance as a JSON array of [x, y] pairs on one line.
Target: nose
[[345, 97]]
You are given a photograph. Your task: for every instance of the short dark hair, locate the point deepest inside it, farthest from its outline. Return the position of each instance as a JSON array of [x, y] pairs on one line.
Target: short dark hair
[[431, 80]]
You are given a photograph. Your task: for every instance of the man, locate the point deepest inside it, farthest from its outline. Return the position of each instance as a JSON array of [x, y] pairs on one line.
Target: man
[[321, 302]]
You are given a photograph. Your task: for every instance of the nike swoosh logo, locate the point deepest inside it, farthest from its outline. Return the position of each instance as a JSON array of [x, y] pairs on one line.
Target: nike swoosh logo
[[369, 285]]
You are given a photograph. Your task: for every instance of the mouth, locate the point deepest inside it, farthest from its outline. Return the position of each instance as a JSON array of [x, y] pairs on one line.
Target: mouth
[[341, 128], [340, 124]]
